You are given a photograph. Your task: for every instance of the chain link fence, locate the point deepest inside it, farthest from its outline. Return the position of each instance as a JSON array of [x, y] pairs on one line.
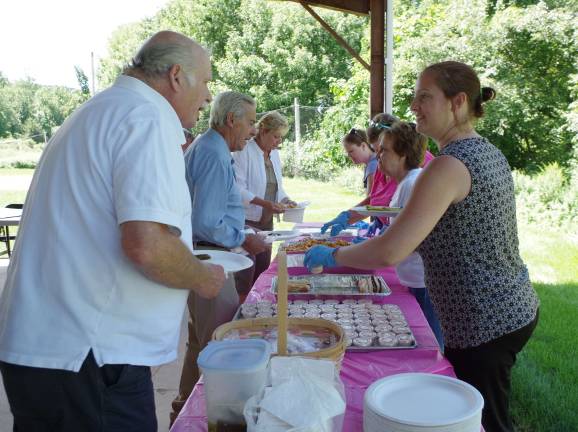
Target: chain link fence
[[303, 120]]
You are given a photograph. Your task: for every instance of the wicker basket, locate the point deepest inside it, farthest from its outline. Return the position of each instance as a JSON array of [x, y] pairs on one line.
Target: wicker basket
[[334, 353], [283, 323]]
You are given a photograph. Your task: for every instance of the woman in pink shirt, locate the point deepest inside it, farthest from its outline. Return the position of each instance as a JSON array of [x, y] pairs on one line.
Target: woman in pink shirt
[[382, 188]]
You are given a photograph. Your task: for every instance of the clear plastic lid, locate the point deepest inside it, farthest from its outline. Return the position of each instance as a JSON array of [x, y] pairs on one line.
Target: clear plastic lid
[[245, 355]]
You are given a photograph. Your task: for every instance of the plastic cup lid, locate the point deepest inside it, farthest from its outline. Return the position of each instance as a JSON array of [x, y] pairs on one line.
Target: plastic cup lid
[[235, 355]]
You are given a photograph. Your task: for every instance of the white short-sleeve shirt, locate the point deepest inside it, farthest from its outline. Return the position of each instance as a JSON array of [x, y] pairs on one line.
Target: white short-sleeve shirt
[[410, 271], [69, 287]]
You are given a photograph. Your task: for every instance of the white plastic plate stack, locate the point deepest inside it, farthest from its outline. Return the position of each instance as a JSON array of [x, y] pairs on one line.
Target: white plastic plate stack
[[420, 402]]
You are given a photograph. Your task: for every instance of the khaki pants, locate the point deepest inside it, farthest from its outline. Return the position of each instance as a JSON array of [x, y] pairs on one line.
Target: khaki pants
[[204, 317], [262, 260]]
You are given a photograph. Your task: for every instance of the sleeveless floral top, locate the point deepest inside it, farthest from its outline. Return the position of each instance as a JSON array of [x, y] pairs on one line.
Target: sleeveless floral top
[[476, 279]]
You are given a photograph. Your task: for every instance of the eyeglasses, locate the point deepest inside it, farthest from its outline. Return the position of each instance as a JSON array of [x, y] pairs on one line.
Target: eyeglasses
[[379, 125], [189, 136]]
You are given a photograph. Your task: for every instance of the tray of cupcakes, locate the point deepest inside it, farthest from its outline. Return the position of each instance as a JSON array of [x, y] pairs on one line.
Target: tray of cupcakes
[[367, 326]]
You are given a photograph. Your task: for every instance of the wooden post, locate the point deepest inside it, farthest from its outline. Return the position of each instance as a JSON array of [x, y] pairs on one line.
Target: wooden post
[[297, 121], [389, 58], [282, 281], [377, 19], [92, 72], [297, 112]]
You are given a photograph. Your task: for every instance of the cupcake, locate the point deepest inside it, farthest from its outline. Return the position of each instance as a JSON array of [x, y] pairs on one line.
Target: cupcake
[[361, 341], [382, 327], [364, 302], [370, 334], [398, 323], [387, 341], [401, 330], [405, 340]]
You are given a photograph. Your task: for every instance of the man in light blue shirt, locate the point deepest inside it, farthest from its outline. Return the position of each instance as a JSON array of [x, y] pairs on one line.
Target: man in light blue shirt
[[218, 213], [218, 219]]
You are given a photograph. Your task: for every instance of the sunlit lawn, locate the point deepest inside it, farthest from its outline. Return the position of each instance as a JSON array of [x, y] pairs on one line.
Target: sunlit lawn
[[545, 395]]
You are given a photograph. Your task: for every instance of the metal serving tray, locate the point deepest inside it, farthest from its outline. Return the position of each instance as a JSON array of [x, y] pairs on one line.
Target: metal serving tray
[[336, 284], [353, 348]]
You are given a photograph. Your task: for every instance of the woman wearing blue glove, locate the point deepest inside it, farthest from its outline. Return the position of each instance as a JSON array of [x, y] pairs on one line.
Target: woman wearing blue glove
[[379, 193], [461, 218], [401, 153]]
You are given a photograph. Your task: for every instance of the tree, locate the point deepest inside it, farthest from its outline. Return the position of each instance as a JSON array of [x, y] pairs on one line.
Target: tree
[[527, 54], [273, 51], [279, 52], [82, 81], [29, 109]]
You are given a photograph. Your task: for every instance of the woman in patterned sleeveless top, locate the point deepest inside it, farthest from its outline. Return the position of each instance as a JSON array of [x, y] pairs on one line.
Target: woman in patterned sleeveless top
[[461, 218]]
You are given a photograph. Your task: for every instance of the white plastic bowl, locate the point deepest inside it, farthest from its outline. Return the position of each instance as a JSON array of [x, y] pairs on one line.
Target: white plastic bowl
[[294, 214]]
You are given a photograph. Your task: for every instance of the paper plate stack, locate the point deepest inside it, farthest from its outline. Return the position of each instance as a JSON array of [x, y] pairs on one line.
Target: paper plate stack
[[420, 402]]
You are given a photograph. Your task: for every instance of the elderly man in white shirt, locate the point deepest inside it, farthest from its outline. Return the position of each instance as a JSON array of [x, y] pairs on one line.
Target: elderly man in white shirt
[[103, 263]]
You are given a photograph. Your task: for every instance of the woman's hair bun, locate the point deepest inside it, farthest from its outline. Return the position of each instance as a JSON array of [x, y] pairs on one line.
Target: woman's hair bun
[[488, 93]]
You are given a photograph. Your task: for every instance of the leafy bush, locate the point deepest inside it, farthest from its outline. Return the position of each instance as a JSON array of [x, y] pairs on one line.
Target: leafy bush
[[19, 153], [548, 198], [351, 179], [309, 160]]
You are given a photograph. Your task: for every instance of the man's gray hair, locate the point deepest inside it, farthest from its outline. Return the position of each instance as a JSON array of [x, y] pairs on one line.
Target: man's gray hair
[[154, 60], [229, 102]]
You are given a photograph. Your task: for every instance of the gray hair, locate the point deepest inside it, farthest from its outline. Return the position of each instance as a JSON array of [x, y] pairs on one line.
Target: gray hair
[[229, 102], [154, 59]]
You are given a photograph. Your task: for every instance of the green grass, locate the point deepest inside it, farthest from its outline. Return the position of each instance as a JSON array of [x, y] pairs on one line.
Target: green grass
[[16, 172], [10, 197], [327, 200], [545, 394]]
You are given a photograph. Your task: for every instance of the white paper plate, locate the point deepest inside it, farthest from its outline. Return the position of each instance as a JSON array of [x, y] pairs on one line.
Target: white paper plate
[[424, 401], [231, 262], [386, 212], [277, 235]]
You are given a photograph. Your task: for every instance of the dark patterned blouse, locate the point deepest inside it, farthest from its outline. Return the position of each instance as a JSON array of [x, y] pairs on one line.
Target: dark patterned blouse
[[476, 279]]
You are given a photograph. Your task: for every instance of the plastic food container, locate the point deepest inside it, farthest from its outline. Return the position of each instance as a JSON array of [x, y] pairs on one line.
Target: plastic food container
[[233, 371], [294, 214]]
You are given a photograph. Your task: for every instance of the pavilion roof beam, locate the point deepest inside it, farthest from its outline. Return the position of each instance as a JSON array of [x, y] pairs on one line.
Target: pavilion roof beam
[[335, 35], [357, 7]]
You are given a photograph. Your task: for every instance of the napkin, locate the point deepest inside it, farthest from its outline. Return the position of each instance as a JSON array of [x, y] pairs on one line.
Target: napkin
[[306, 395]]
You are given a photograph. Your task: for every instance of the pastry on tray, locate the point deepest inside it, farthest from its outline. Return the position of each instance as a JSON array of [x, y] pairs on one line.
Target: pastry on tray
[[304, 245], [298, 286]]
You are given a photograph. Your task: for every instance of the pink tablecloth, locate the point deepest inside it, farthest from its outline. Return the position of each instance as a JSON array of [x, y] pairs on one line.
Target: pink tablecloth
[[359, 370]]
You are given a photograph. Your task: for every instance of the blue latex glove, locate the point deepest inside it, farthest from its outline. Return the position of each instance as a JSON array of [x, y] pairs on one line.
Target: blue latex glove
[[358, 239], [338, 224], [376, 228], [360, 225], [319, 256]]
